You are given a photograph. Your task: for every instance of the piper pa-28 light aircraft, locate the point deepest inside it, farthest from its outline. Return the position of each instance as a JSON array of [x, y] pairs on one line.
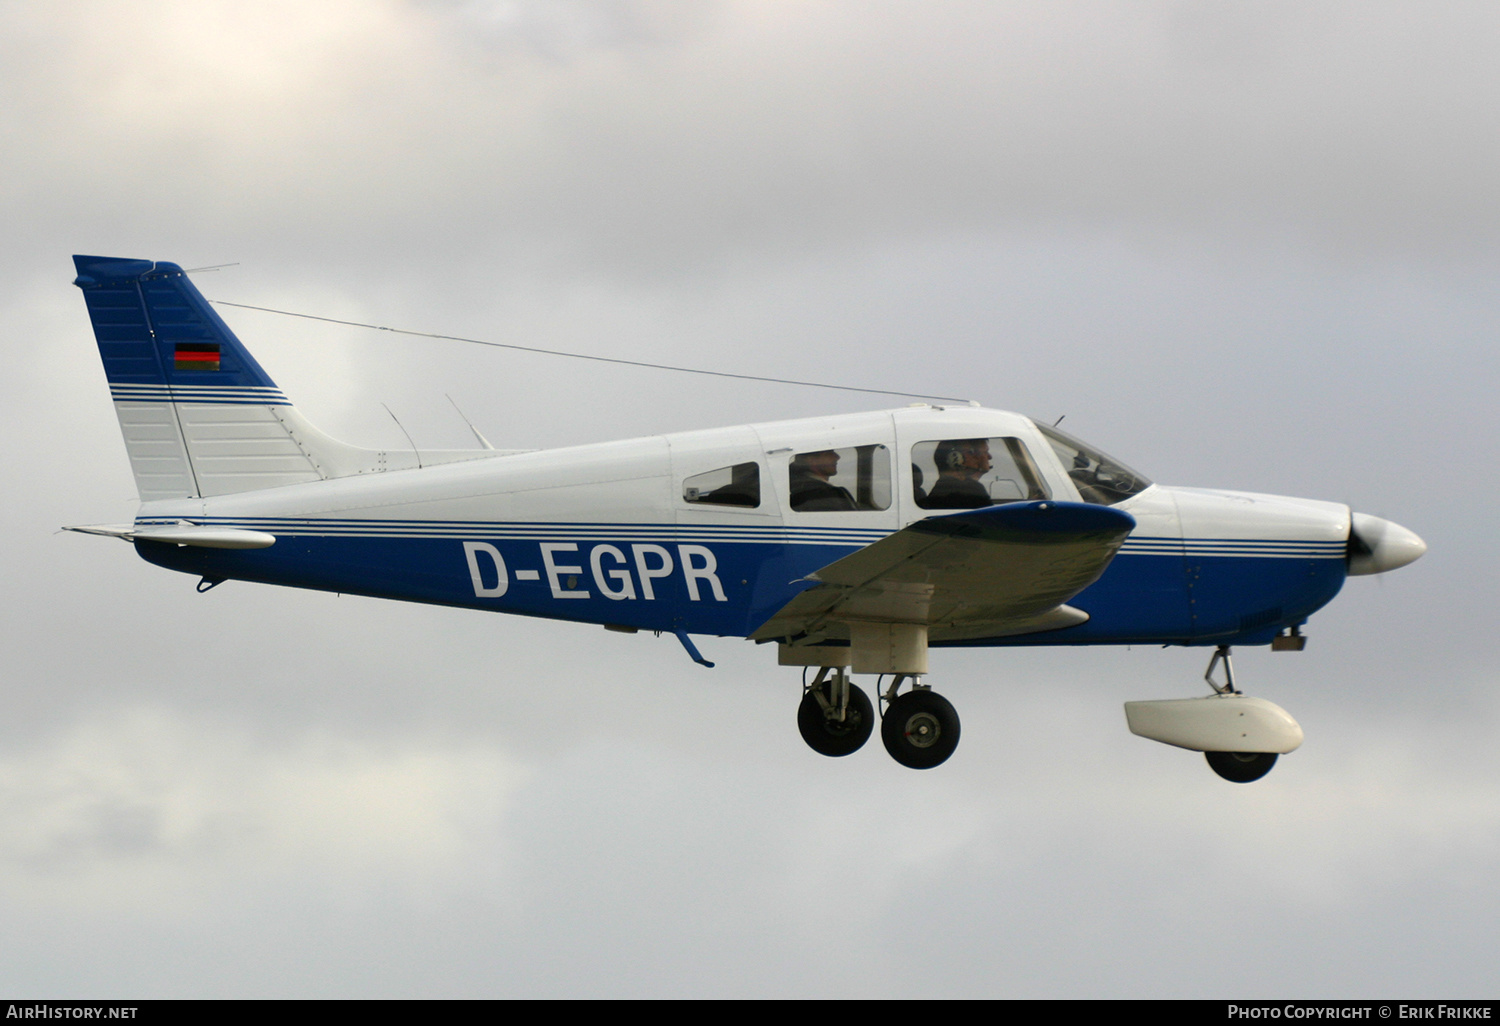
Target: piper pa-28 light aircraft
[[853, 543]]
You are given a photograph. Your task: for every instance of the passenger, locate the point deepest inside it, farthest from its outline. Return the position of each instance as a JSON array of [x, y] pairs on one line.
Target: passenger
[[961, 462], [743, 488], [810, 487]]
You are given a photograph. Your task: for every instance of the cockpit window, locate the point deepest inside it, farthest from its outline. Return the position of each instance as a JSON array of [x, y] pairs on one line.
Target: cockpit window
[[971, 473], [858, 477], [738, 485], [1100, 479]]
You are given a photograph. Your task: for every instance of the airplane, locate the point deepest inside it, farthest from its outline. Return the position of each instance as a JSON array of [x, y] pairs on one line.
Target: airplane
[[851, 543]]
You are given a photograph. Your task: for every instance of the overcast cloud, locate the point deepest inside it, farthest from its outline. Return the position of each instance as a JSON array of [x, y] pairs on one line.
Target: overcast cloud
[[1239, 245]]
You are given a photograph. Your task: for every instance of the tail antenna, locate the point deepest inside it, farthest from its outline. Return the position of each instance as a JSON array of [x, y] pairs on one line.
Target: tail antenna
[[406, 433], [483, 441]]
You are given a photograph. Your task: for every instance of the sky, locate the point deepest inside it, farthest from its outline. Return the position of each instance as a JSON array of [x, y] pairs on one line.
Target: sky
[[1243, 246]]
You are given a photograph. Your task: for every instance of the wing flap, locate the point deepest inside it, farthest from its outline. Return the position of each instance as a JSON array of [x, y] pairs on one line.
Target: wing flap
[[979, 573]]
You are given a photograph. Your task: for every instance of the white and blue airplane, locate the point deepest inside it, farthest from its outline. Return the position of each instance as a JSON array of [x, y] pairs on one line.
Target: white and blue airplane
[[852, 543]]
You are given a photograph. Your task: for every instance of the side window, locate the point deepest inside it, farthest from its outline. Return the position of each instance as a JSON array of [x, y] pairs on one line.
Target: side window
[[854, 478], [970, 473], [738, 485]]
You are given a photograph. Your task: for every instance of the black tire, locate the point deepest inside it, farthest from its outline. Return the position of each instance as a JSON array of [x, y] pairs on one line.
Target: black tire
[[920, 729], [830, 737], [1241, 767]]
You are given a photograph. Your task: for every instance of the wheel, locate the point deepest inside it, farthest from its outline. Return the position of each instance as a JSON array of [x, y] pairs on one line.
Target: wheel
[[1241, 767], [920, 729], [830, 737]]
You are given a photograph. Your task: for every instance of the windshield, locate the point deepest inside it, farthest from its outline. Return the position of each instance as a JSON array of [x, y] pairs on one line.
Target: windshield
[[1100, 479]]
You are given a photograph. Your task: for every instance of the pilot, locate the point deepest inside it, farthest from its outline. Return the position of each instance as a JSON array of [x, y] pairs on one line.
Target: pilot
[[961, 462], [810, 487]]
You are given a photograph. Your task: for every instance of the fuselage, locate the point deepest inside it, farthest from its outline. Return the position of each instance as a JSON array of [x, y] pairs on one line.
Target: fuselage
[[711, 532]]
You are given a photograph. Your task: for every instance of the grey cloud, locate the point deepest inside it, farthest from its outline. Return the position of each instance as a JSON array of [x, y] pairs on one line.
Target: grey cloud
[[1353, 128]]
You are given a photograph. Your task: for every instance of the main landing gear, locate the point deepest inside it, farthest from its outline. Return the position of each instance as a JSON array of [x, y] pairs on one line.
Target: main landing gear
[[835, 717], [919, 729], [1240, 736]]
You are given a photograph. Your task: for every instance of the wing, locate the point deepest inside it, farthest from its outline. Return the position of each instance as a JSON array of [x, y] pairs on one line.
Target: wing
[[976, 574]]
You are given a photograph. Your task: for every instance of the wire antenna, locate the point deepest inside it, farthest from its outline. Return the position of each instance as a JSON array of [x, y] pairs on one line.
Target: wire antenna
[[598, 359]]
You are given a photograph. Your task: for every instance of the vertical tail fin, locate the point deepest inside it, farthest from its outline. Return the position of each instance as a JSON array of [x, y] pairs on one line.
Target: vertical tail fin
[[199, 415]]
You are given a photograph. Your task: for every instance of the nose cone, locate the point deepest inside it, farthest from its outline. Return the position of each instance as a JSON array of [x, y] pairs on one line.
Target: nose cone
[[1377, 545]]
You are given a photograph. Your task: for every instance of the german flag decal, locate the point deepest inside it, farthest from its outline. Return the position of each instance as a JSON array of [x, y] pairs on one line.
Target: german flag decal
[[197, 356]]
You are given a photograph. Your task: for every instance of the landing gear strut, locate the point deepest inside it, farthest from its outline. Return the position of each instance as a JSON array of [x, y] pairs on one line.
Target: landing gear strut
[[1221, 655], [920, 728], [835, 717]]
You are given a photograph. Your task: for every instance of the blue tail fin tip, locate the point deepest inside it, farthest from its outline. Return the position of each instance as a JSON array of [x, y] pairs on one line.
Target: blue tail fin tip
[[154, 328], [97, 270]]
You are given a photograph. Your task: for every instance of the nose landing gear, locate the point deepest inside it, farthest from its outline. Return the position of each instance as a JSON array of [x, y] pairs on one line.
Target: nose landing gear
[[1235, 767], [1240, 736]]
